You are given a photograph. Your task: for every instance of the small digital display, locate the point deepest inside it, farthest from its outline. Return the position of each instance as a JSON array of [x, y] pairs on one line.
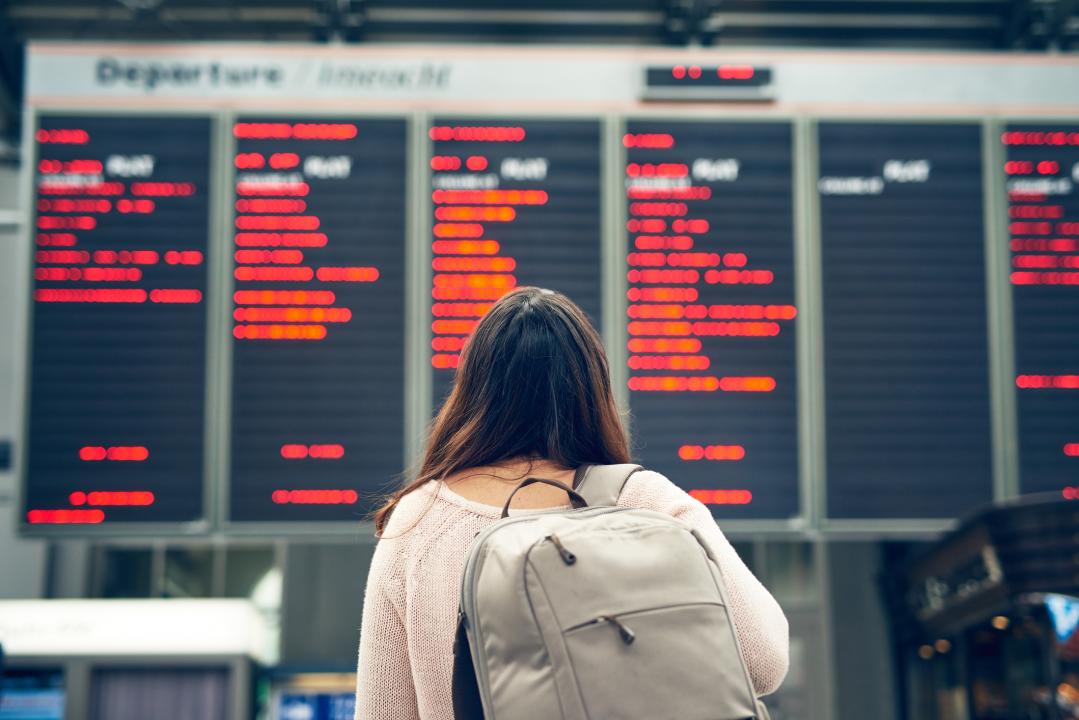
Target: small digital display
[[717, 76], [1042, 181], [711, 312], [902, 236], [713, 83], [516, 202], [118, 346], [317, 316]]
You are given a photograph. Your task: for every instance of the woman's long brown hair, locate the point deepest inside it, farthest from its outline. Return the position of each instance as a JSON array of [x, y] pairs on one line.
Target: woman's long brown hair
[[532, 382]]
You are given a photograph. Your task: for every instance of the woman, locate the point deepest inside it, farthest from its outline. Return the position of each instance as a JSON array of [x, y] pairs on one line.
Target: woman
[[532, 397]]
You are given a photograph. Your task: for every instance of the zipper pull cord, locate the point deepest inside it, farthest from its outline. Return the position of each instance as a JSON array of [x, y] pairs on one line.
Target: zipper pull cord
[[567, 557], [627, 635]]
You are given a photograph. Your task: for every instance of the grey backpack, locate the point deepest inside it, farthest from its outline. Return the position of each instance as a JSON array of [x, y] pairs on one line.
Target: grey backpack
[[596, 613]]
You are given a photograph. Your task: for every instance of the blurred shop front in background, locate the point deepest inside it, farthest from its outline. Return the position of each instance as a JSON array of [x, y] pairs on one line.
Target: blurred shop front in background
[[833, 253]]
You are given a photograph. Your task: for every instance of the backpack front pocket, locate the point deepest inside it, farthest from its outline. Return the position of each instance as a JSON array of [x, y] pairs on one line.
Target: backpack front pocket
[[677, 662]]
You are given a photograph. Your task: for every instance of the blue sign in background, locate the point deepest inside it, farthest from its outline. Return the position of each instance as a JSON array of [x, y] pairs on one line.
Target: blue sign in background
[[316, 706]]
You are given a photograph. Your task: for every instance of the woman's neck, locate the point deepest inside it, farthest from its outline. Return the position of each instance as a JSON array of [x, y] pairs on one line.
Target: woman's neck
[[513, 469], [491, 484]]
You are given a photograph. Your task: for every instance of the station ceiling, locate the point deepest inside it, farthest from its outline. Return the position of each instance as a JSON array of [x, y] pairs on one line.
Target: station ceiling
[[950, 24], [1031, 25]]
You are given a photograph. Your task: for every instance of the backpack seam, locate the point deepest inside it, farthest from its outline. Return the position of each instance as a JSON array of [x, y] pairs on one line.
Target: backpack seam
[[546, 646], [722, 589], [655, 608]]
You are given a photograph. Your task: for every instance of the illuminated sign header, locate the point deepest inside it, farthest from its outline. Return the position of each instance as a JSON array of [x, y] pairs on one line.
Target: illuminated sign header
[[524, 79]]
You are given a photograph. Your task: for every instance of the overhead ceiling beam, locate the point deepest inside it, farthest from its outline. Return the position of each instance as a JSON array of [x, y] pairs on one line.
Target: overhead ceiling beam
[[840, 38], [509, 16], [70, 12], [118, 14], [243, 15], [852, 20], [940, 23], [867, 4]]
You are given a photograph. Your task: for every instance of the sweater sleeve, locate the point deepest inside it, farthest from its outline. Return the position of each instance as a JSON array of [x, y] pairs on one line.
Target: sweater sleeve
[[759, 622], [384, 684]]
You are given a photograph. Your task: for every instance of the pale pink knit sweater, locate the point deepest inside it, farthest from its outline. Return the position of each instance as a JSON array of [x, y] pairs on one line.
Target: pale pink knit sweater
[[410, 606]]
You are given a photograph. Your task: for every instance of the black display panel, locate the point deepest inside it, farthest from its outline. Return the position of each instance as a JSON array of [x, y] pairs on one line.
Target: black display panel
[[674, 76], [318, 317], [118, 347], [1042, 171], [516, 202], [711, 339], [905, 327]]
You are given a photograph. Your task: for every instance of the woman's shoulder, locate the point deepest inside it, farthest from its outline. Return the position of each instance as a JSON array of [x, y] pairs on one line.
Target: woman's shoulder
[[432, 507], [411, 510], [652, 490]]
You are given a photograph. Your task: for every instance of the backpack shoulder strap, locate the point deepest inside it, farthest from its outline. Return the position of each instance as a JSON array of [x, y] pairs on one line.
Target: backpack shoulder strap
[[602, 484]]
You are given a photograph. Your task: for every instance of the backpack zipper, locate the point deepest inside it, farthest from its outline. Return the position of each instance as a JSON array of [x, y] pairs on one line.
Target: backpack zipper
[[567, 557], [626, 634]]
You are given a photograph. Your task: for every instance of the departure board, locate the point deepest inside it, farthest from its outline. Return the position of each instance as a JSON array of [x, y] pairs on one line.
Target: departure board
[[905, 325], [711, 312], [118, 348], [516, 202], [318, 317], [1042, 171]]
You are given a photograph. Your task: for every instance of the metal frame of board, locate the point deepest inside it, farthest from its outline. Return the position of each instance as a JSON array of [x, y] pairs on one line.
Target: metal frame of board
[[24, 313], [876, 529], [800, 523], [418, 266], [362, 530], [807, 300], [221, 285], [24, 324], [614, 259], [422, 277], [1001, 327]]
